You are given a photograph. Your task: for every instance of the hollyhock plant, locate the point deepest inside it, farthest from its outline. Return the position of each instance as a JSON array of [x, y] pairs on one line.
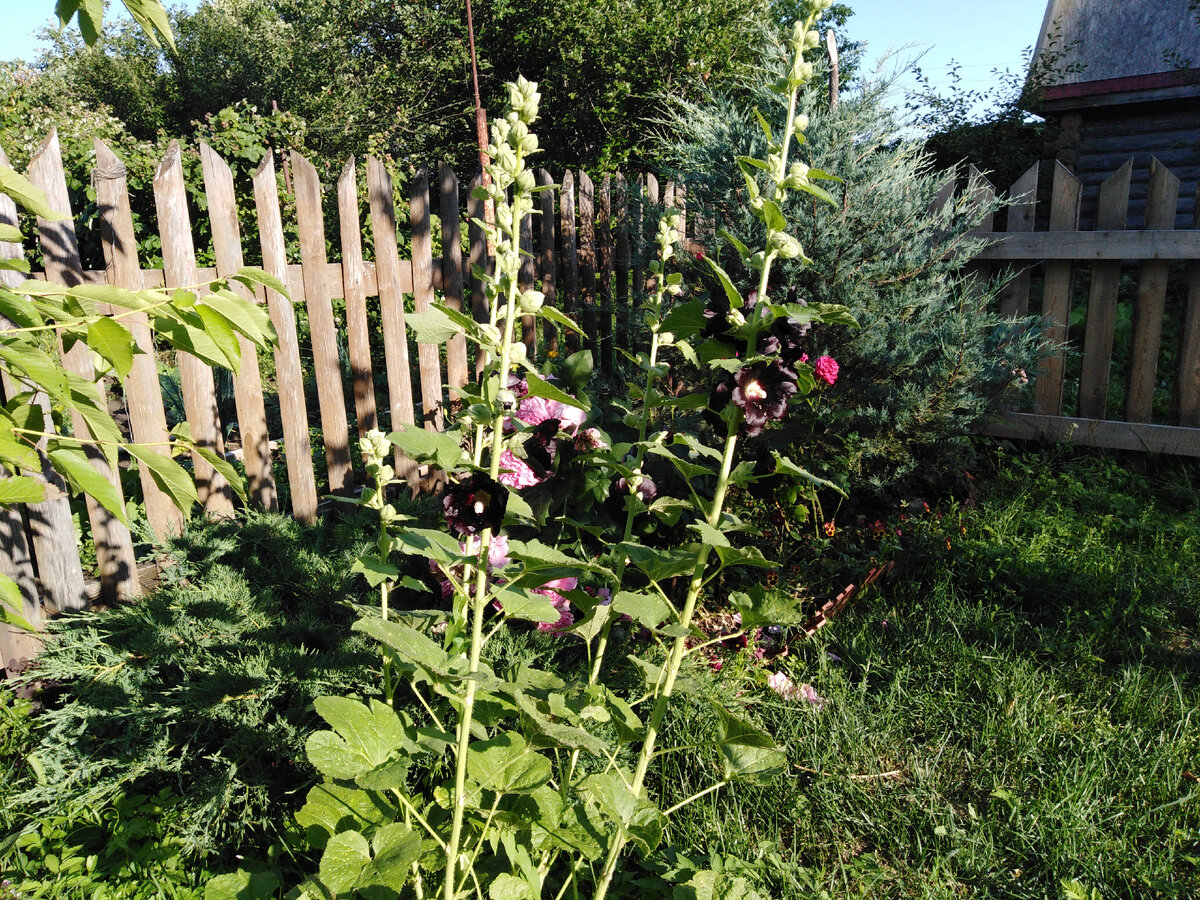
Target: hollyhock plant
[[515, 472], [762, 392]]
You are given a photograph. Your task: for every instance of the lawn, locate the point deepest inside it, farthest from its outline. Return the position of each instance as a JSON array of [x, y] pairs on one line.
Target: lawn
[[1007, 713]]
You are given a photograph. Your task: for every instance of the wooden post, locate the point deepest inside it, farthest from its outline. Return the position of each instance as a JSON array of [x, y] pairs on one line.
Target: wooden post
[[195, 378], [587, 261], [147, 419], [354, 278], [1056, 297], [1188, 388], [391, 306], [1102, 300], [114, 545], [604, 248], [452, 274], [1022, 214], [621, 224], [1161, 204], [981, 195], [422, 274], [247, 383], [570, 256], [319, 302], [637, 217], [302, 482], [831, 44], [546, 256]]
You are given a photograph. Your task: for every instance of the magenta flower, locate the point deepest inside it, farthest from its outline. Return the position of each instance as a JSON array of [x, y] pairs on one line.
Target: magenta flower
[[515, 472], [826, 368]]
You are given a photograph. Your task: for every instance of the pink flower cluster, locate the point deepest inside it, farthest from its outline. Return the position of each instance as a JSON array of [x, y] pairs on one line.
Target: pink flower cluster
[[516, 472], [826, 368], [551, 590]]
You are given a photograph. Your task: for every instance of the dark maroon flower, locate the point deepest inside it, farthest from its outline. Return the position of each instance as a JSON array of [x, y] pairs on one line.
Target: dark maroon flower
[[647, 490], [718, 399], [541, 446], [716, 314], [790, 333], [475, 504], [762, 392]]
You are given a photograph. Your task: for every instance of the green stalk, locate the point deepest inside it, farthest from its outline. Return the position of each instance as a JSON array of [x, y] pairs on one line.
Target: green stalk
[[678, 649], [478, 602]]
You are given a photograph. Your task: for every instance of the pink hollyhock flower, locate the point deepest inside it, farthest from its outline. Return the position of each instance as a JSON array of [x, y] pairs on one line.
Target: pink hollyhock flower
[[536, 410], [565, 621], [809, 693], [826, 368], [782, 685], [560, 584], [570, 418], [590, 439], [519, 474]]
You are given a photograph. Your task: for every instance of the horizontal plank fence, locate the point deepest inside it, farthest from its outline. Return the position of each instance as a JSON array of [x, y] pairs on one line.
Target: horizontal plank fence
[[585, 248], [1077, 396]]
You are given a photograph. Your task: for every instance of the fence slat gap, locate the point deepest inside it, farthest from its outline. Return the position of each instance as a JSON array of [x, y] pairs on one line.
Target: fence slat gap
[[570, 256], [428, 358], [587, 261], [547, 258], [452, 274], [525, 280]]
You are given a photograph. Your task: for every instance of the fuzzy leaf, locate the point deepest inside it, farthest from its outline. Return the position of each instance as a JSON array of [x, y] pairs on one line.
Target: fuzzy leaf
[[540, 387], [731, 292], [748, 752], [432, 326], [560, 318], [412, 646], [506, 763], [331, 808], [375, 570], [363, 737], [577, 369], [441, 447], [345, 857], [645, 609], [636, 817], [526, 605]]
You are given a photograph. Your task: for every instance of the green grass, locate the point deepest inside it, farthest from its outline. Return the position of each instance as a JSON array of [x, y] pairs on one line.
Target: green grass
[[1023, 720]]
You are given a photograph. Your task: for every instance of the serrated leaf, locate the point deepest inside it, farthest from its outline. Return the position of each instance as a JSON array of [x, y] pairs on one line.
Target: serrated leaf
[[18, 310], [636, 817], [441, 447], [540, 387], [432, 326], [219, 331], [375, 570], [396, 848], [330, 808], [650, 610], [114, 343], [507, 764], [523, 604], [748, 752], [246, 318], [784, 466], [346, 856], [76, 468], [223, 466], [16, 454], [685, 319], [363, 737], [10, 233], [172, 479], [411, 646], [152, 16], [759, 605], [21, 489]]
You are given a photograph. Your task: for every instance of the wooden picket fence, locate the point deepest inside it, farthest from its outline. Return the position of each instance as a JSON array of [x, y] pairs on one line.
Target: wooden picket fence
[[1056, 258], [587, 255]]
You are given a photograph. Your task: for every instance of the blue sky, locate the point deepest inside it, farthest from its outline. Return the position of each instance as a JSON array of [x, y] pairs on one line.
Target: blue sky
[[981, 36]]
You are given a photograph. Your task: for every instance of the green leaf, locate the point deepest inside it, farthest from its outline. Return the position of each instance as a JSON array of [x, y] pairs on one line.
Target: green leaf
[[222, 336], [784, 466], [250, 276], [396, 848], [432, 544], [18, 310], [151, 15], [223, 466], [523, 604], [72, 463], [330, 808], [441, 447], [650, 610], [748, 752], [507, 764], [509, 887], [742, 250], [660, 565], [363, 737], [17, 454], [346, 856], [32, 199], [412, 646], [819, 192], [21, 489], [172, 478], [759, 605], [36, 366], [577, 369], [731, 292], [685, 319], [635, 816], [655, 678], [375, 570], [432, 326], [540, 387], [114, 343], [709, 535], [14, 265], [762, 123], [245, 317], [743, 556], [10, 233], [12, 604], [773, 216], [559, 318], [242, 885]]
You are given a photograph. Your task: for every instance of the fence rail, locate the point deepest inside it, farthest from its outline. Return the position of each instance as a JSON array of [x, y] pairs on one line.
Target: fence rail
[[1167, 261], [587, 246]]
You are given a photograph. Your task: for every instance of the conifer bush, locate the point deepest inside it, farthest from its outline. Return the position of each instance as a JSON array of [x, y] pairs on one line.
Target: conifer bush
[[932, 356]]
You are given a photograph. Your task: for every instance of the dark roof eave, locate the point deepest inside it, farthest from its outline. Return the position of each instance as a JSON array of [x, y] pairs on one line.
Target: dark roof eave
[[1154, 87]]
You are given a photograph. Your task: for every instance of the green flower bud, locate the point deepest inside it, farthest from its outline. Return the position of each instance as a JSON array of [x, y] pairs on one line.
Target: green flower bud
[[531, 301], [517, 352], [785, 246], [800, 124], [811, 39], [525, 181], [529, 144]]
